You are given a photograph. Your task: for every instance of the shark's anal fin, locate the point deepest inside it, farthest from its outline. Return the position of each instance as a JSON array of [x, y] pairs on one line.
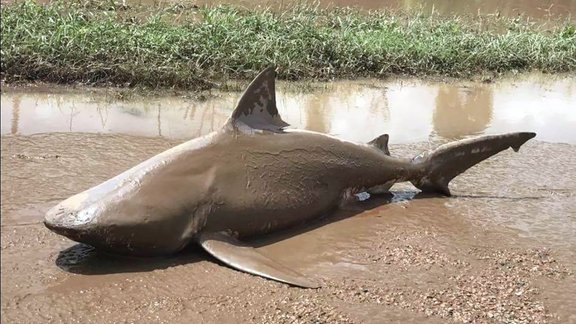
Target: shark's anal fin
[[232, 252], [256, 109]]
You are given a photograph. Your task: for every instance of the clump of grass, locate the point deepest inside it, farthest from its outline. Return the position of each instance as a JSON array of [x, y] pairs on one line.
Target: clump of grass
[[79, 43]]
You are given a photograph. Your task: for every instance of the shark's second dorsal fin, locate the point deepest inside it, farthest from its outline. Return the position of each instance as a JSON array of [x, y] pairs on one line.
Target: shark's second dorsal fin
[[381, 143], [256, 108]]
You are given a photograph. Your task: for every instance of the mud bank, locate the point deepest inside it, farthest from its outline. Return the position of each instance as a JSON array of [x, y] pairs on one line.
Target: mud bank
[[501, 250]]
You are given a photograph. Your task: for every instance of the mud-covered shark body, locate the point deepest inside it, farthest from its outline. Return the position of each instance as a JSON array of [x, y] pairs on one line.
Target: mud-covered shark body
[[252, 177]]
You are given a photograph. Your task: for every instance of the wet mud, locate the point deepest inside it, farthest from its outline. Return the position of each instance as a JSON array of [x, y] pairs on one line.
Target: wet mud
[[501, 250]]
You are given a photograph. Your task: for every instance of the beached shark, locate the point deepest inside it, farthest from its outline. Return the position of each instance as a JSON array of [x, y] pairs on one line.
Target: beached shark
[[253, 176]]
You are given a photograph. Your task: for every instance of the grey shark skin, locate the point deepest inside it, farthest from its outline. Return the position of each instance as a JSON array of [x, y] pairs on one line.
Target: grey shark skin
[[250, 178]]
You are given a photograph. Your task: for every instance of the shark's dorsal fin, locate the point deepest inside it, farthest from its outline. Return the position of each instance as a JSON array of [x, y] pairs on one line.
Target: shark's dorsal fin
[[257, 109], [381, 143]]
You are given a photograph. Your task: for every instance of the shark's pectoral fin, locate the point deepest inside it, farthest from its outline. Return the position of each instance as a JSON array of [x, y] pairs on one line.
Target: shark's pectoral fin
[[232, 252]]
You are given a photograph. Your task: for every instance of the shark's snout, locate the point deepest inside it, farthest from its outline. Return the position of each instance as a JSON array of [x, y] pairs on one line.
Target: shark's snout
[[70, 232], [69, 222], [93, 224]]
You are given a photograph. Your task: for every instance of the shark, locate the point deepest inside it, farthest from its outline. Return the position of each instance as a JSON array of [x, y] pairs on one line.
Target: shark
[[252, 177]]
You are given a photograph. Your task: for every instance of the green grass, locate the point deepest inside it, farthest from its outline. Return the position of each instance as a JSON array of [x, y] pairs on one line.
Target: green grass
[[182, 47]]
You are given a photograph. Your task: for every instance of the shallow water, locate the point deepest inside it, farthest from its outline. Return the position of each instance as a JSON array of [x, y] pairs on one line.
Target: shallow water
[[541, 10], [511, 223], [538, 9], [410, 111]]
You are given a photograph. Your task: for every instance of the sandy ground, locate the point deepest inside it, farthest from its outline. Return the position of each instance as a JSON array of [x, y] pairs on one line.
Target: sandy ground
[[501, 250]]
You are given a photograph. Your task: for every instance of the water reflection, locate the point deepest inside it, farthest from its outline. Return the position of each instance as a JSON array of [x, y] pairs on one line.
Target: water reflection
[[461, 111], [411, 111], [314, 118], [15, 115]]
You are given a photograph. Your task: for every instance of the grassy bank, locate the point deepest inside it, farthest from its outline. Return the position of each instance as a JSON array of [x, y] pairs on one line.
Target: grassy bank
[[181, 47]]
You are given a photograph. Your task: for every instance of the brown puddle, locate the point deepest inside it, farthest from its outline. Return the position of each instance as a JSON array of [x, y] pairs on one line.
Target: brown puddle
[[410, 111], [536, 9], [501, 250], [541, 10]]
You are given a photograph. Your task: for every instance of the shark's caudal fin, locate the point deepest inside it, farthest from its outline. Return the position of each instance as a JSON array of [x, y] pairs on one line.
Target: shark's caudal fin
[[447, 161], [257, 109]]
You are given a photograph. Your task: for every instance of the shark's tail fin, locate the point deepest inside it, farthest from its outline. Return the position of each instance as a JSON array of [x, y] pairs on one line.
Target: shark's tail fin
[[441, 165]]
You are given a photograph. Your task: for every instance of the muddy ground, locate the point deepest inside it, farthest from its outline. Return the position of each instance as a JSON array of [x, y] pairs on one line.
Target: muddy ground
[[501, 250]]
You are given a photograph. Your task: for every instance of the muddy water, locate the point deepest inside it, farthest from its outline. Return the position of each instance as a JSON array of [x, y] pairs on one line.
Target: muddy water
[[537, 9], [541, 10], [411, 111], [501, 250]]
